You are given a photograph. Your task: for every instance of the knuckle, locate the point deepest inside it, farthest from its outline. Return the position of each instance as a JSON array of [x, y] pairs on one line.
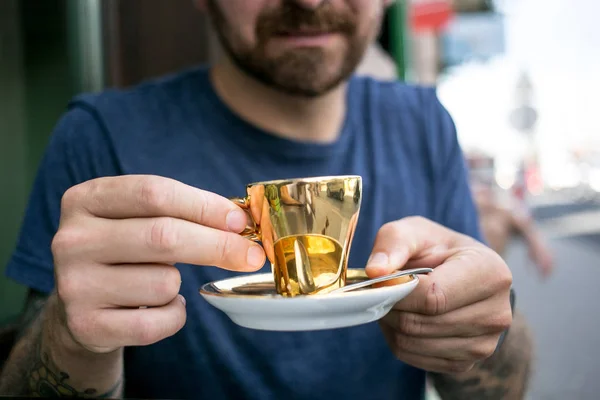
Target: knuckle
[[67, 239], [458, 367], [388, 227], [486, 350], [68, 287], [223, 247], [154, 193], [501, 322], [506, 322], [418, 222], [79, 324], [402, 342], [416, 219], [168, 285], [202, 208], [162, 236], [436, 301], [74, 195], [482, 349], [503, 277], [506, 278], [410, 324], [385, 231], [144, 332]]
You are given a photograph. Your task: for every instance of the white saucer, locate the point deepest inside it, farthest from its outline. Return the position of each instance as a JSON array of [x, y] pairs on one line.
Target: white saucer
[[252, 302]]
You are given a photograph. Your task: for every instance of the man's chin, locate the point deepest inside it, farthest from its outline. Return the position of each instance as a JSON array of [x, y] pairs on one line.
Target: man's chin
[[299, 89], [296, 75], [309, 81]]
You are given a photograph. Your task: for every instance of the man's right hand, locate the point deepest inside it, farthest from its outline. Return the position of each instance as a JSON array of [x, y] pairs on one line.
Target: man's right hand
[[115, 250]]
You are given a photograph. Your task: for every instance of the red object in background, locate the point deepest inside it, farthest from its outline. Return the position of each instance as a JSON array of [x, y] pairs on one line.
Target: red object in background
[[534, 181], [427, 15]]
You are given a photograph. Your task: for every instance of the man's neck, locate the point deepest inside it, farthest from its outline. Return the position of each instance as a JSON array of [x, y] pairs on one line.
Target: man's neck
[[317, 119]]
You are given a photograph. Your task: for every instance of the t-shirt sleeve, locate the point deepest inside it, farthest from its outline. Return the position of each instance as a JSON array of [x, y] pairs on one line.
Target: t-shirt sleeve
[[78, 150], [454, 204]]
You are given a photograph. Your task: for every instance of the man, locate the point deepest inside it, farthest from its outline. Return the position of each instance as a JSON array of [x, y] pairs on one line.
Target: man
[[130, 210]]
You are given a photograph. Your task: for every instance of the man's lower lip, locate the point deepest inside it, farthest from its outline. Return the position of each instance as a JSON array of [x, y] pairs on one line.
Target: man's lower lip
[[306, 40]]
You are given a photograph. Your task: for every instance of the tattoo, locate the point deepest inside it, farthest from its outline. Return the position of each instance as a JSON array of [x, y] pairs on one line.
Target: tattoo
[[34, 306], [504, 375], [44, 382], [30, 371], [22, 346]]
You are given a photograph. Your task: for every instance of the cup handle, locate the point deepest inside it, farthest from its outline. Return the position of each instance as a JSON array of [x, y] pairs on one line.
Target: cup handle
[[252, 230]]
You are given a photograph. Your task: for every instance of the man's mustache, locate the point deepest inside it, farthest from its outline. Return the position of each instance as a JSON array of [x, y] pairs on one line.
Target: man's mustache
[[291, 18]]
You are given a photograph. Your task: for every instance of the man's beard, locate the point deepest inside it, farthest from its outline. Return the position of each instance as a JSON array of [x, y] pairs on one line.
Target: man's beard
[[302, 71]]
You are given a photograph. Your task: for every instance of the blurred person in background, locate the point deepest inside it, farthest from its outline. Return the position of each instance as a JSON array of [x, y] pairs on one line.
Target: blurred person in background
[[500, 223], [505, 215], [131, 200]]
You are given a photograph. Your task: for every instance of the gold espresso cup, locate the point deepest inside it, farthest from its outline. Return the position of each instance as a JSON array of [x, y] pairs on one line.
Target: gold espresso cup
[[306, 227]]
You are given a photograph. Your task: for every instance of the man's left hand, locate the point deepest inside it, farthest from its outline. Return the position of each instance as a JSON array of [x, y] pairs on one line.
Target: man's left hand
[[455, 316]]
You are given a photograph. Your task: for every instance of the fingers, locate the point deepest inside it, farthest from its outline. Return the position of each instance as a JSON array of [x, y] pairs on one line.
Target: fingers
[[465, 271], [157, 240], [132, 285], [469, 276], [434, 364], [424, 362], [452, 348], [409, 238], [470, 321], [139, 196], [115, 328]]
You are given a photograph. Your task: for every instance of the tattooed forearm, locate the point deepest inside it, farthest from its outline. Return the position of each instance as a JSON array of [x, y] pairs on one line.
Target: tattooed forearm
[[44, 381], [504, 376], [41, 366], [33, 308], [13, 377]]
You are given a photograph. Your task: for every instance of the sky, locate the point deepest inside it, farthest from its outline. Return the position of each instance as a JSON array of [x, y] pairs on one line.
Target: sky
[[558, 43]]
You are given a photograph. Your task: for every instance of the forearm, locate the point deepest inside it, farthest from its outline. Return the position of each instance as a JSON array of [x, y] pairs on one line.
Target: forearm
[[46, 362], [503, 376], [523, 224]]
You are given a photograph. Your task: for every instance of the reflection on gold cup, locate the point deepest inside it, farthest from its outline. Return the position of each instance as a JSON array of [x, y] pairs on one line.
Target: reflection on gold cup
[[306, 227]]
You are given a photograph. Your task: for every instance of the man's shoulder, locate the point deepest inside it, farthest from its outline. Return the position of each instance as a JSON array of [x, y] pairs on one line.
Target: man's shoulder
[[117, 116], [412, 110], [397, 98], [150, 95]]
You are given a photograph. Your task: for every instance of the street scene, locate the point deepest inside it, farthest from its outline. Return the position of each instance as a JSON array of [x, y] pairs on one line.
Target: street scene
[[517, 80], [562, 310]]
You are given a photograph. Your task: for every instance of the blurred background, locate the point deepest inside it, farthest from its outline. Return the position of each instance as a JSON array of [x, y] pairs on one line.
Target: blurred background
[[518, 76]]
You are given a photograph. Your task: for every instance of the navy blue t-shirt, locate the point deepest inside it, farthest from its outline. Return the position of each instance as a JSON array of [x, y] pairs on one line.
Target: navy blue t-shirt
[[398, 137]]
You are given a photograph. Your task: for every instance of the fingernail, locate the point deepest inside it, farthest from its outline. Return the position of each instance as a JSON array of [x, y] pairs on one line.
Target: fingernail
[[256, 256], [236, 220], [378, 260], [182, 299]]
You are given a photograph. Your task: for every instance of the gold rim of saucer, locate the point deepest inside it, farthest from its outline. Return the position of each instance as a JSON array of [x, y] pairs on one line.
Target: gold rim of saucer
[[307, 179], [262, 286]]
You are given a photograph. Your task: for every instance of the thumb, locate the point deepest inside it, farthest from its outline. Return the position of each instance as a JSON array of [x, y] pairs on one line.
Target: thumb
[[406, 243], [380, 264]]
